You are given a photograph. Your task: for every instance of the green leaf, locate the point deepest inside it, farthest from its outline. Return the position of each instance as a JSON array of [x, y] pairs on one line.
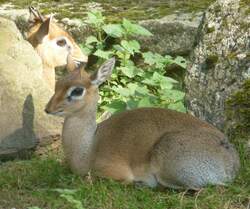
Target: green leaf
[[181, 62], [86, 49], [145, 102], [149, 58], [118, 48], [75, 203], [91, 39], [135, 29], [122, 91], [103, 54], [132, 104], [131, 46], [113, 30], [115, 106], [129, 71], [173, 95], [95, 18], [178, 106], [33, 207]]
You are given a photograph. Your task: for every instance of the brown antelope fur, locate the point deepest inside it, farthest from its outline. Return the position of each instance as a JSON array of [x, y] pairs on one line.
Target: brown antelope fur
[[54, 45], [147, 145]]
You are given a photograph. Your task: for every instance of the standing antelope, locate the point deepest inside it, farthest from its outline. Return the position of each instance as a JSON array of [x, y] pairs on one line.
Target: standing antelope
[[54, 45], [147, 145]]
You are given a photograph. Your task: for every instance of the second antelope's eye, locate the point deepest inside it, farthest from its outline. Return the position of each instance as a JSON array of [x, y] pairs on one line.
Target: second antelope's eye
[[61, 42], [77, 92]]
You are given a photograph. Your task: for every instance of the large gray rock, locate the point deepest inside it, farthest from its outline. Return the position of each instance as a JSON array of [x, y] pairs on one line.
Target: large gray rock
[[220, 62], [23, 94], [174, 34], [19, 16]]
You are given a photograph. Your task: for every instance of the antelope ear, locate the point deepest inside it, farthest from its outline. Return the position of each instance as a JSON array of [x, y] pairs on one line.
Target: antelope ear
[[44, 29], [35, 15], [103, 73]]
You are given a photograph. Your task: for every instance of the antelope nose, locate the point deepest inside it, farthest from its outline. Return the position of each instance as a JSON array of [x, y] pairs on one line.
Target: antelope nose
[[46, 110]]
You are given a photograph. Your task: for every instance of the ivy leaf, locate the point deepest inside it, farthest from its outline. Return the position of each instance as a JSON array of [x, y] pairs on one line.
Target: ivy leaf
[[113, 30], [103, 54], [115, 106], [178, 106]]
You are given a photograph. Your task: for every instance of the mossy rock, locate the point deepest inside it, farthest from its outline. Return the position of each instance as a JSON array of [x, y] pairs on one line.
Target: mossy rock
[[238, 115]]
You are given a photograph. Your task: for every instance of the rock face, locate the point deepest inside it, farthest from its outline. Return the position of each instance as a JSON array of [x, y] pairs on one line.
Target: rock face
[[220, 62], [173, 34], [23, 95]]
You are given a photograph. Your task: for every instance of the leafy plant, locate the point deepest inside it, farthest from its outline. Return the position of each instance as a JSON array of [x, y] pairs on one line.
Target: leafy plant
[[133, 84], [68, 195]]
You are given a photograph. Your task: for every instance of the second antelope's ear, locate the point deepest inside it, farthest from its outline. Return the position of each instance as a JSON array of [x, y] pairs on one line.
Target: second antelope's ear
[[103, 73], [35, 16], [73, 64], [44, 29]]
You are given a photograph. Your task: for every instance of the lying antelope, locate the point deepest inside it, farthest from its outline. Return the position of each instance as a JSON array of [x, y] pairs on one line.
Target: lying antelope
[[54, 45], [147, 145]]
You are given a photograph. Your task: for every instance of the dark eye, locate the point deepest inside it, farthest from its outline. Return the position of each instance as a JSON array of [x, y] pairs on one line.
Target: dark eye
[[77, 92], [61, 42]]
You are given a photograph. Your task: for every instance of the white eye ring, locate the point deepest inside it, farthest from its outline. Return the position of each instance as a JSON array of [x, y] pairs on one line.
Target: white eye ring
[[78, 95]]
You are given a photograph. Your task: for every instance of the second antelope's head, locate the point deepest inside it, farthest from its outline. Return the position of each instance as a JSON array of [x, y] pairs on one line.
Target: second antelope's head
[[54, 45], [78, 91]]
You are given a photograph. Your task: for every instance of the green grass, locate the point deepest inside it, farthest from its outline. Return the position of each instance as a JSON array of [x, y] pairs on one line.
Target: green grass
[[33, 182]]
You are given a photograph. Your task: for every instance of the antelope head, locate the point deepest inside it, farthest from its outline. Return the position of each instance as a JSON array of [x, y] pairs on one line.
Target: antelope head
[[54, 45]]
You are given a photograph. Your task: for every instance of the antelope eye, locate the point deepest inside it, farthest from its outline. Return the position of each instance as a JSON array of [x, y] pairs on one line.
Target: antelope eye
[[77, 92], [61, 42]]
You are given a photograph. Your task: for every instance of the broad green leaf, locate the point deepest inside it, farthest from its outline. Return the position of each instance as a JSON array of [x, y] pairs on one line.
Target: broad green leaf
[[91, 39], [103, 54], [86, 49], [181, 62], [173, 95], [150, 82], [77, 204], [34, 207], [95, 18], [145, 102], [132, 87], [129, 71], [149, 58], [118, 48], [115, 106], [125, 44], [122, 91], [132, 104], [135, 29], [178, 106], [142, 90], [113, 30], [165, 84]]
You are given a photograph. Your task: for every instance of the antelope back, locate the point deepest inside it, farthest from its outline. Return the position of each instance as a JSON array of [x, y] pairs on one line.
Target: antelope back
[[54, 45]]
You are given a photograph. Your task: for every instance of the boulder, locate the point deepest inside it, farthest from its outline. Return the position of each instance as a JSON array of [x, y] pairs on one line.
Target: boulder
[[220, 67], [23, 95], [173, 34]]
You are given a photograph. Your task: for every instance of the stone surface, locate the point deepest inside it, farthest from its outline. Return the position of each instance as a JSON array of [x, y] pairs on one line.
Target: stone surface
[[220, 62], [19, 16], [23, 95], [173, 34]]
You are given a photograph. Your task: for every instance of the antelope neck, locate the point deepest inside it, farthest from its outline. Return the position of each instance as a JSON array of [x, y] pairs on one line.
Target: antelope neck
[[78, 140]]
